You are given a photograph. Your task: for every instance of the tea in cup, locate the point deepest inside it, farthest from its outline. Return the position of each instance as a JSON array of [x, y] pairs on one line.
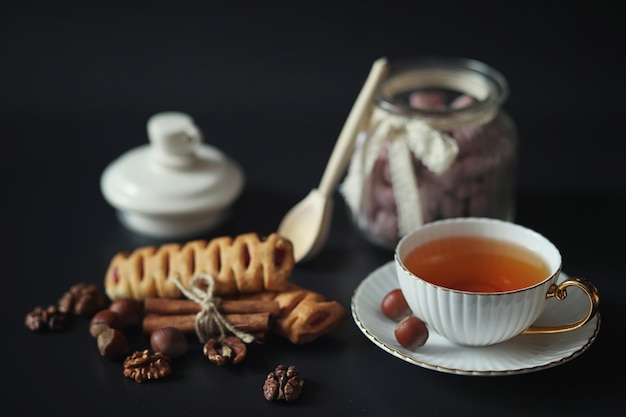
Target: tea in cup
[[480, 281]]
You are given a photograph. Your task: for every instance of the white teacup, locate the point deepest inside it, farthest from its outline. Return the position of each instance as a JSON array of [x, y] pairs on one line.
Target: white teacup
[[489, 307]]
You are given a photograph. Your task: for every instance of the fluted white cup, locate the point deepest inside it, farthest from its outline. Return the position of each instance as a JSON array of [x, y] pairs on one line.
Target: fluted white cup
[[486, 318]]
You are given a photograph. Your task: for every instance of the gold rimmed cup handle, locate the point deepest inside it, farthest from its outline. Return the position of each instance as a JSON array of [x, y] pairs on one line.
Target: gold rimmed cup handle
[[559, 292]]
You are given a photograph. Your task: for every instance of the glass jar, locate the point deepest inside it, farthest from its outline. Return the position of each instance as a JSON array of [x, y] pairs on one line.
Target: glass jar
[[437, 145]]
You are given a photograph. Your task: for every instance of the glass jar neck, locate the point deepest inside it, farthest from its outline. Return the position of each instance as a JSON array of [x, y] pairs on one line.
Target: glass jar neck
[[459, 91]]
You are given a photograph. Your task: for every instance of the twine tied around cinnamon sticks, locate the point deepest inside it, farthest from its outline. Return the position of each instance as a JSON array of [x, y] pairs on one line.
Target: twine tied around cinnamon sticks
[[209, 319]]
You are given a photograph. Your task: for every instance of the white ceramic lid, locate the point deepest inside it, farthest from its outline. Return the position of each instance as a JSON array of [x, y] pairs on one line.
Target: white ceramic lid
[[174, 186]]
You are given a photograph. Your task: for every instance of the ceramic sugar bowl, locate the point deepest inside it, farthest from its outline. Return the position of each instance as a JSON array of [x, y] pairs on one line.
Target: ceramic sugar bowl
[[176, 185]]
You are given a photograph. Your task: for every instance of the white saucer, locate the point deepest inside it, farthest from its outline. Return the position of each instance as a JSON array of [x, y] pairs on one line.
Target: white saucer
[[522, 354]]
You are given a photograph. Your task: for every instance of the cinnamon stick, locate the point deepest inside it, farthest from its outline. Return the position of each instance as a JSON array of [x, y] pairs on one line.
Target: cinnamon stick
[[251, 323], [169, 306]]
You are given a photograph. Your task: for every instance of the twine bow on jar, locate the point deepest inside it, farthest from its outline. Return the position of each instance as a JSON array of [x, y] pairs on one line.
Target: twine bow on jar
[[209, 320], [404, 137]]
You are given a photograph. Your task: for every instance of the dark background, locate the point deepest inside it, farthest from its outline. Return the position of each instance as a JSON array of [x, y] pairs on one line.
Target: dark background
[[294, 68], [271, 84]]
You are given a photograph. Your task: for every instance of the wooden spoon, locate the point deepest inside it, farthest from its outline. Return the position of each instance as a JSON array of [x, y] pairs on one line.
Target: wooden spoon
[[308, 222]]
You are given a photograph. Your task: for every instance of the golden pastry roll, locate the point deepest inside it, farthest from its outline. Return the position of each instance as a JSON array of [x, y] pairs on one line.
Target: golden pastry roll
[[246, 263]]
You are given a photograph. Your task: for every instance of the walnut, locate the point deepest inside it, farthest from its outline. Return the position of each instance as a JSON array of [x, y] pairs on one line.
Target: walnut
[[143, 365], [229, 349], [283, 384], [41, 319], [83, 300]]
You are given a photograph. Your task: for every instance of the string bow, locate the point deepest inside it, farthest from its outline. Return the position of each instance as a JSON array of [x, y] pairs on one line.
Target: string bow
[[209, 320], [404, 136]]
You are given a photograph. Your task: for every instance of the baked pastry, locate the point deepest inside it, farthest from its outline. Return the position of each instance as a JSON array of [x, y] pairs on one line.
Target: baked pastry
[[244, 264], [304, 314]]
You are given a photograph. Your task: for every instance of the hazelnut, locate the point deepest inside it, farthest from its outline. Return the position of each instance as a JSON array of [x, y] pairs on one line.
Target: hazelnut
[[411, 332], [129, 308], [394, 305], [170, 341], [103, 320], [112, 343]]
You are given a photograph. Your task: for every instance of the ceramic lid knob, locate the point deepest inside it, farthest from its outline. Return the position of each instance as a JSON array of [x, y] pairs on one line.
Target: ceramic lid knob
[[174, 139], [176, 185]]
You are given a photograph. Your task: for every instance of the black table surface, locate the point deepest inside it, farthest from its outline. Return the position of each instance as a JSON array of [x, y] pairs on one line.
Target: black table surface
[[271, 85]]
